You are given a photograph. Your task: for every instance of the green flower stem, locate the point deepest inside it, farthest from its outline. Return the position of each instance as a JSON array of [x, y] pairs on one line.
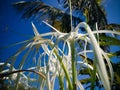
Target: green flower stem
[[93, 75], [64, 69], [70, 13], [73, 63], [61, 82]]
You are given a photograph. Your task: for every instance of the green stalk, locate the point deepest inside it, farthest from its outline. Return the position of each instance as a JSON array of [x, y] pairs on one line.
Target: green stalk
[[73, 63], [73, 52], [70, 13], [64, 69], [61, 82], [93, 75], [91, 72]]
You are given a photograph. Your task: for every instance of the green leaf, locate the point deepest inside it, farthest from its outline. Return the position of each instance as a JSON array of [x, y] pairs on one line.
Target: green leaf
[[61, 82], [107, 40]]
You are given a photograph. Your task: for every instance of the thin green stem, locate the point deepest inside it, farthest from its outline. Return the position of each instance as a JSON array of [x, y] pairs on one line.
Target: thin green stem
[[73, 63], [93, 75], [61, 82], [70, 14], [64, 69]]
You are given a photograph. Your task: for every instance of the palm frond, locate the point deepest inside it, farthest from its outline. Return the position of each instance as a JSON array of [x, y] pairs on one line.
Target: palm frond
[[108, 40], [95, 12], [113, 26], [41, 11]]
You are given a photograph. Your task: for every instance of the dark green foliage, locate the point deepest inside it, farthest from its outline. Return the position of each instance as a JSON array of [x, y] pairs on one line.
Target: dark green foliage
[[91, 9], [107, 40], [7, 86], [60, 19], [41, 11]]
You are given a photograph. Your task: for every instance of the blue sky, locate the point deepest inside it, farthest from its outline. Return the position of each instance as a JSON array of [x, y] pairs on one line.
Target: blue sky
[[113, 10], [13, 29]]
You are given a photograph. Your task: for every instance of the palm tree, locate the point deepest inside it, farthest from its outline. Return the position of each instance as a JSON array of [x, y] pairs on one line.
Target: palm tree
[[90, 11]]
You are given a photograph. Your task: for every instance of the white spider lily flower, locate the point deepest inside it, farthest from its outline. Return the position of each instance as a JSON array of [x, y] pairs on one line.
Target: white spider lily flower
[[61, 60]]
